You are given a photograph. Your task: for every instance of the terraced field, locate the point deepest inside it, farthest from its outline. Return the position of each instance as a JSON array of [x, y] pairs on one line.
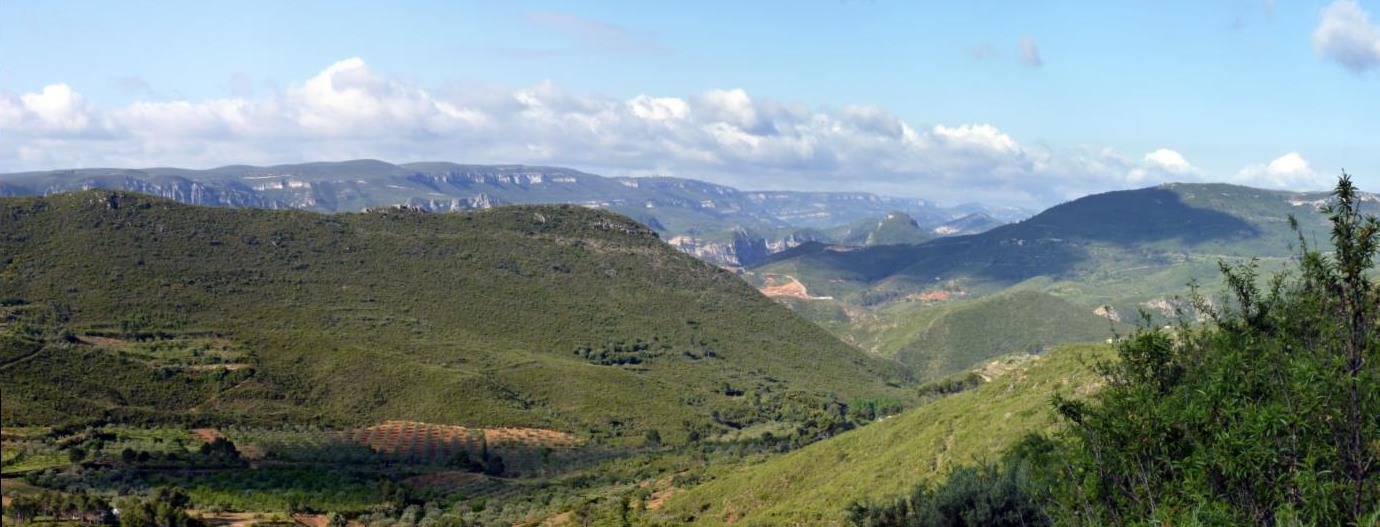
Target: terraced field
[[524, 451]]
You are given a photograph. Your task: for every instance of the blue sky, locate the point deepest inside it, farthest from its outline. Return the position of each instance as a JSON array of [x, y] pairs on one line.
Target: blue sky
[[1011, 102]]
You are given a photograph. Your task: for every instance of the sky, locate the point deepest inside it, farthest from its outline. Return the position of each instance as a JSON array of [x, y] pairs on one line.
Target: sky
[[1006, 103]]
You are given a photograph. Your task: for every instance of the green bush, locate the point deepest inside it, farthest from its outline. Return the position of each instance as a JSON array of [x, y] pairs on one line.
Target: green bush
[[990, 496], [1267, 414]]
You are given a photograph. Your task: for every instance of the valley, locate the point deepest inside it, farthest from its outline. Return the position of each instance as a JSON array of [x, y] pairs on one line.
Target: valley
[[662, 264], [562, 365]]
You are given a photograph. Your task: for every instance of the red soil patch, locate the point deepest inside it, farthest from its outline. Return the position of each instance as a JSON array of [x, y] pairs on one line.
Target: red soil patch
[[789, 288], [659, 498], [930, 297], [230, 366], [230, 519], [206, 435], [935, 296], [310, 520], [100, 341], [530, 437], [433, 441], [559, 520]]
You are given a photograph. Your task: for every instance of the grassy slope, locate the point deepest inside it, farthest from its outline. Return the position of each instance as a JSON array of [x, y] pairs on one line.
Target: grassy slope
[[812, 486], [968, 333], [935, 340], [1123, 249], [467, 318], [1146, 226]]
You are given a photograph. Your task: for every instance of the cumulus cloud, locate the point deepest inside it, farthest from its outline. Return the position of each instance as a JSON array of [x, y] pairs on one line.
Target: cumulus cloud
[[1289, 171], [1030, 53], [1169, 161], [348, 111], [1161, 164], [1346, 35], [57, 110]]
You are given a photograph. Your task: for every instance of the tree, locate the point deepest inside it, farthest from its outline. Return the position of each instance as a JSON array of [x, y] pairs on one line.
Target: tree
[[165, 508], [221, 449], [336, 519], [495, 467], [991, 496], [1268, 412]]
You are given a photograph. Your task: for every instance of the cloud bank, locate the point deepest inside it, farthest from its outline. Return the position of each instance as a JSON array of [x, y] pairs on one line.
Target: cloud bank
[[347, 111]]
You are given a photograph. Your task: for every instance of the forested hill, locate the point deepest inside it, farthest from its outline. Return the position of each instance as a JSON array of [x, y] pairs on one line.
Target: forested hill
[[554, 316]]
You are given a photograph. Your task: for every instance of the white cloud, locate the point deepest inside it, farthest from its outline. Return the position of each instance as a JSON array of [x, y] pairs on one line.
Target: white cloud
[[732, 107], [57, 110], [347, 99], [658, 108], [1289, 171], [1168, 160], [1030, 53], [981, 137], [1346, 35], [1162, 164], [348, 111]]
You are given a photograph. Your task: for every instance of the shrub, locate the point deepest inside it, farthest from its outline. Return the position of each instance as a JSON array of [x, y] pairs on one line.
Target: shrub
[[1268, 413]]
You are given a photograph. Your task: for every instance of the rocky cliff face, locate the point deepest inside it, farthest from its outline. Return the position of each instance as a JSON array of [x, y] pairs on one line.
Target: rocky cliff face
[[482, 201], [180, 189], [745, 249]]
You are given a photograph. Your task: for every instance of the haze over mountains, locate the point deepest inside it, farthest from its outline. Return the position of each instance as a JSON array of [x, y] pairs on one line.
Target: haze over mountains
[[715, 222]]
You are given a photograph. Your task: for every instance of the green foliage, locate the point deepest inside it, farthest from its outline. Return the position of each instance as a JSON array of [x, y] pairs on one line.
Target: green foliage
[[812, 485], [220, 448], [165, 508], [464, 318], [81, 507], [1129, 250], [970, 333], [869, 409], [1268, 415], [991, 496], [957, 383]]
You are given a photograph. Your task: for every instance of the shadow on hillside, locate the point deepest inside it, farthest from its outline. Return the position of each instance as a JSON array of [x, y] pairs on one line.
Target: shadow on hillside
[[1051, 243], [1130, 217]]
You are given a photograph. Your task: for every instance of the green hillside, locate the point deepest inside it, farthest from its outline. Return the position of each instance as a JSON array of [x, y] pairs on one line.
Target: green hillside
[[967, 333], [129, 307], [894, 228], [1083, 235], [812, 486], [1131, 250], [897, 227]]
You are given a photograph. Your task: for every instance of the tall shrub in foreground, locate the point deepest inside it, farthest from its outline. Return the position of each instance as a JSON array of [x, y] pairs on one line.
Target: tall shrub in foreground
[[1267, 414]]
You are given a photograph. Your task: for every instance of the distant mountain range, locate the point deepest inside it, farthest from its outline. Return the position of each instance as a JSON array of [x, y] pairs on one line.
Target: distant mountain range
[[718, 223]]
